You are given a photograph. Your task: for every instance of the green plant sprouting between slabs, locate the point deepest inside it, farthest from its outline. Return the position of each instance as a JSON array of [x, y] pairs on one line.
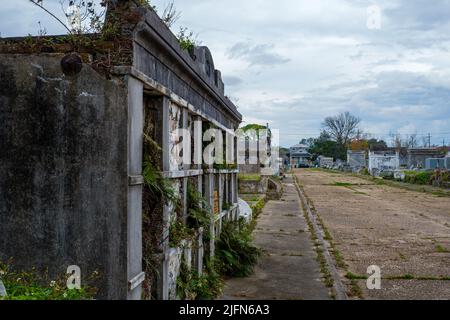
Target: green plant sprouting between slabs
[[258, 207], [178, 232], [158, 186], [199, 216]]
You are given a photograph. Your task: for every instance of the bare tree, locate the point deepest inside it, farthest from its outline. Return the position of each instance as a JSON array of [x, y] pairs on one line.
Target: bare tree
[[397, 141], [40, 4], [425, 142], [342, 127]]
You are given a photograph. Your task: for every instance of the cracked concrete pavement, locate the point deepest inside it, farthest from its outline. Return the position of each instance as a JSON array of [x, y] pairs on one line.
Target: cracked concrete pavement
[[288, 270]]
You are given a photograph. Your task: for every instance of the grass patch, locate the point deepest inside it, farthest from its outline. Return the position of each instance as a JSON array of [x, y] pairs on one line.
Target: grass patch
[[327, 234], [34, 286], [355, 290], [353, 276], [406, 186], [339, 258], [441, 249], [349, 186], [361, 193], [343, 184], [407, 276], [431, 278], [235, 250], [292, 255], [327, 278], [257, 209]]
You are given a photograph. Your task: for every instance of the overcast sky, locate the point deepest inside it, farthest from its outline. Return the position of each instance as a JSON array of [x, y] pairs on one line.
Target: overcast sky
[[293, 62]]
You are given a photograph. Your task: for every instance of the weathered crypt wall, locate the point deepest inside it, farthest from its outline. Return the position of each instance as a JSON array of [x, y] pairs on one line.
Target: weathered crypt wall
[[63, 170], [71, 180]]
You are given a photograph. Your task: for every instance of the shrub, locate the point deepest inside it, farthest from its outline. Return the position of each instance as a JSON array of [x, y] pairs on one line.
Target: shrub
[[31, 286], [445, 176], [365, 171], [191, 286], [421, 178], [198, 209], [424, 177], [234, 250]]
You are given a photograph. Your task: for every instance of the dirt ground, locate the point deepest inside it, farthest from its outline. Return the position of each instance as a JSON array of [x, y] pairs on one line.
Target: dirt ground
[[405, 233]]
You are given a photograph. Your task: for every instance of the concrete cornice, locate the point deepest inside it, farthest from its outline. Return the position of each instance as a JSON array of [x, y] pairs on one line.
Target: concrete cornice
[[153, 29]]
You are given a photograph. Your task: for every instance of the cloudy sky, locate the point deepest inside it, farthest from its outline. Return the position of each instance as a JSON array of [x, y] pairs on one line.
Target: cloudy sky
[[293, 62]]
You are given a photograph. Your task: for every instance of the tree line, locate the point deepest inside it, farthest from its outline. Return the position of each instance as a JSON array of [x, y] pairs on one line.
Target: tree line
[[343, 132]]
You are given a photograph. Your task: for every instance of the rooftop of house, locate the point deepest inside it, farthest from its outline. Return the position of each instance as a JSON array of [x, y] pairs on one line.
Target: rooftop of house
[[438, 152]]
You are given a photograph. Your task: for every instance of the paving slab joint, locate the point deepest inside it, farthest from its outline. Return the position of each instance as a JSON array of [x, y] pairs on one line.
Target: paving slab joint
[[338, 286]]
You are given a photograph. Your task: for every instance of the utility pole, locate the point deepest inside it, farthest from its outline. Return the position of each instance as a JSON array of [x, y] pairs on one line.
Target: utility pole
[[429, 140]]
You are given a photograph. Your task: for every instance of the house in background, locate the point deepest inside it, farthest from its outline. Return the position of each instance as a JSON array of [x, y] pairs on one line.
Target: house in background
[[299, 156]]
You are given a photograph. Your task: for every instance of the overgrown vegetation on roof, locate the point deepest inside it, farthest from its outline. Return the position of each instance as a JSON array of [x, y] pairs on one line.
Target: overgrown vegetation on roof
[[187, 39], [83, 18]]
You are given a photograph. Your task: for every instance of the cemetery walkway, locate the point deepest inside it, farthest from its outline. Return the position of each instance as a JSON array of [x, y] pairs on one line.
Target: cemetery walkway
[[288, 269]]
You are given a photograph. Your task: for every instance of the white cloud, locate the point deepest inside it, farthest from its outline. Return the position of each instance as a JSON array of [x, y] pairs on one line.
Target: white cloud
[[293, 62]]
